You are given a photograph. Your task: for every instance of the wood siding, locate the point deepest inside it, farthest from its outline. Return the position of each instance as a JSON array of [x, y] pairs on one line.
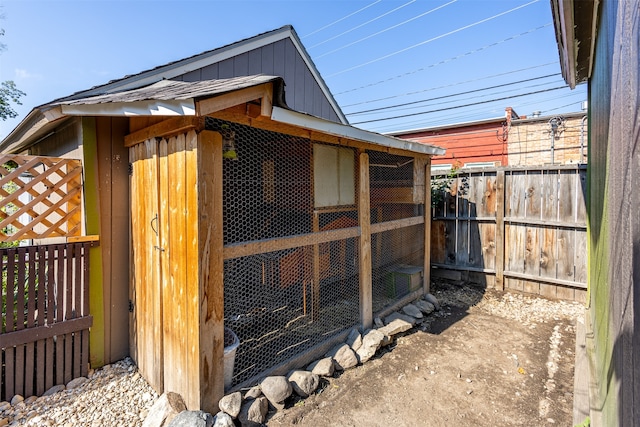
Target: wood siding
[[614, 223], [302, 92]]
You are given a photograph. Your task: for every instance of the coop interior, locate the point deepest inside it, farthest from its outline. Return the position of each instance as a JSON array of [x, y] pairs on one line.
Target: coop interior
[[281, 303]]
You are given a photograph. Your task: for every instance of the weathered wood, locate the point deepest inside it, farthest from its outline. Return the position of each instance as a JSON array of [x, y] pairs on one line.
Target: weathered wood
[[364, 219], [396, 224], [238, 97], [238, 250], [164, 129], [521, 276], [211, 270], [39, 333], [426, 284]]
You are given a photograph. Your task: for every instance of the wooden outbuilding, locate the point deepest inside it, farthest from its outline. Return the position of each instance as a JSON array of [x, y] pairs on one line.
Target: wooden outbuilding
[[218, 205]]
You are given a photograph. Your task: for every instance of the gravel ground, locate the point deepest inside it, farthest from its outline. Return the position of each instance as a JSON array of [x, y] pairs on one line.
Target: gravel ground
[[116, 395]]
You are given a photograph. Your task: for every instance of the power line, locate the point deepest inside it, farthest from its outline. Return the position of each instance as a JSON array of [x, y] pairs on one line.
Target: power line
[[386, 29], [450, 95], [444, 61], [362, 25], [470, 114], [448, 85], [462, 106], [341, 19], [466, 27]]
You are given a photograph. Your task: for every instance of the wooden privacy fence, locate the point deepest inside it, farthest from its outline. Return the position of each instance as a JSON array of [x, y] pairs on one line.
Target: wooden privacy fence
[[45, 317], [514, 228]]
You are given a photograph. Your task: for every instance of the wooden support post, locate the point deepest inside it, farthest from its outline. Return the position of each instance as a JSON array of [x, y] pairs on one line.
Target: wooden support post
[[500, 180], [427, 227], [364, 219], [211, 270]]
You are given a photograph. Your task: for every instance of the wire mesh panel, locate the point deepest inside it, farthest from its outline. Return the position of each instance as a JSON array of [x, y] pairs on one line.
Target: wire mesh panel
[[397, 253], [282, 302]]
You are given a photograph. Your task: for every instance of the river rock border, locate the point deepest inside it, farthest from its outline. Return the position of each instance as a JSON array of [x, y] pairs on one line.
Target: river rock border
[[272, 392]]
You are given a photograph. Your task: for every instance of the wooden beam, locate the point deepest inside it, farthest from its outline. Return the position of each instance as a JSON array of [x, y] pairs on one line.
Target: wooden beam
[[364, 219], [499, 263], [30, 335], [238, 115], [281, 243], [427, 228], [222, 102], [395, 224], [211, 270], [166, 128], [79, 239]]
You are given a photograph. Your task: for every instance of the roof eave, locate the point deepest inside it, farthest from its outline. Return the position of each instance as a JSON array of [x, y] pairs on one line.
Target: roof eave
[[575, 29], [307, 121]]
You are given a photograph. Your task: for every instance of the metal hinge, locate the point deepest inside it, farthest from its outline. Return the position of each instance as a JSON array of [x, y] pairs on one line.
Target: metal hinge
[[130, 169], [130, 306]]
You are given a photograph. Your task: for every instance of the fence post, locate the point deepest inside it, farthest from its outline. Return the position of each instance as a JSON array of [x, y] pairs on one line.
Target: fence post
[[500, 195], [364, 218], [427, 227]]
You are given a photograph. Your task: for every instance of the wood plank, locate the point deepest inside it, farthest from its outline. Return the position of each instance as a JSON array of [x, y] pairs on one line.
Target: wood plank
[[9, 381], [31, 335], [191, 283], [381, 227], [164, 129], [81, 239], [566, 293], [211, 270], [134, 256], [426, 284], [483, 248], [533, 194], [515, 191], [438, 252], [60, 253], [566, 193], [221, 102], [364, 219], [450, 241], [169, 350], [531, 287], [77, 289], [532, 251], [521, 276], [462, 242], [178, 265], [29, 353], [566, 255], [40, 361], [549, 206], [580, 260], [544, 223], [548, 244], [514, 248], [238, 250]]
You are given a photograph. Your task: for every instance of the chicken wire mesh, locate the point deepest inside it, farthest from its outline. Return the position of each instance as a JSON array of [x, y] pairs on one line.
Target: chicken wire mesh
[[281, 303], [397, 255]]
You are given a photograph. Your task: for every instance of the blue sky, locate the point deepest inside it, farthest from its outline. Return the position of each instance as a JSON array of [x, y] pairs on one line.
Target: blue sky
[[400, 58]]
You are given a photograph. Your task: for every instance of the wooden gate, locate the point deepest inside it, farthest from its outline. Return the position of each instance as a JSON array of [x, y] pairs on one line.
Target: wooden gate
[[515, 228]]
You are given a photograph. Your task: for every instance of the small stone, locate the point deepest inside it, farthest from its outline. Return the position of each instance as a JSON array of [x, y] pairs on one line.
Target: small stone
[[254, 411], [4, 422], [370, 344], [304, 383], [29, 400], [166, 408], [395, 315], [55, 389], [276, 388], [192, 419], [231, 404], [412, 310], [354, 340], [323, 367], [393, 328], [378, 322], [425, 306], [343, 357], [433, 300], [223, 419], [16, 399], [76, 382], [253, 393], [4, 405]]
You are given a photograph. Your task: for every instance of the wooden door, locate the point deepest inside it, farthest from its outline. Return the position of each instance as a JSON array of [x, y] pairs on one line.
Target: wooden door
[[146, 275]]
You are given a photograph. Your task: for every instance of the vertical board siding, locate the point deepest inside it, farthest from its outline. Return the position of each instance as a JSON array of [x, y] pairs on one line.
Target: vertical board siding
[[44, 335], [539, 238]]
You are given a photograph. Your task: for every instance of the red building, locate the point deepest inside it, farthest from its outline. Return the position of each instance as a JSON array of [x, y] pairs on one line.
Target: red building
[[475, 143]]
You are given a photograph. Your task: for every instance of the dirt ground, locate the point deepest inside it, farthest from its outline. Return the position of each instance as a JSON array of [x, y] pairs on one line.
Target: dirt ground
[[486, 359]]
